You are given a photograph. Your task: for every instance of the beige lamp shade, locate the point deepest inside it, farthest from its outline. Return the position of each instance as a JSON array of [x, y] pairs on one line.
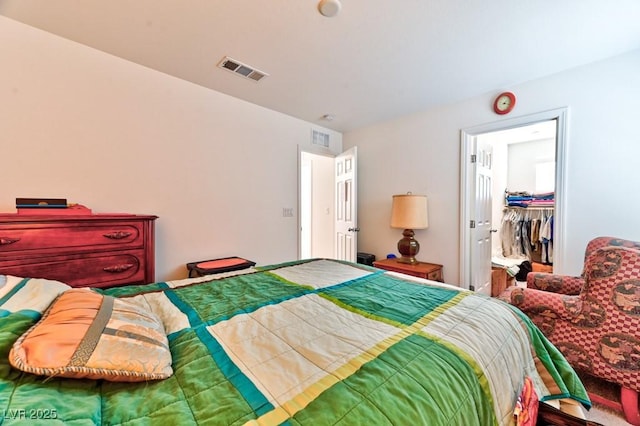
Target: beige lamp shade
[[409, 211]]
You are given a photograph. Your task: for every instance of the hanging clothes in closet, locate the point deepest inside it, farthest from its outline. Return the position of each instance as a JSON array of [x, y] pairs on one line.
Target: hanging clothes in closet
[[528, 232]]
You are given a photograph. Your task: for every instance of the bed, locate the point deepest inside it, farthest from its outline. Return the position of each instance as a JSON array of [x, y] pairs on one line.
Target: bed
[[309, 342]]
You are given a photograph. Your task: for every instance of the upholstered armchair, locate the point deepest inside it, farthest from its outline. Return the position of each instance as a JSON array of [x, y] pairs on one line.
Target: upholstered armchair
[[565, 284], [597, 329]]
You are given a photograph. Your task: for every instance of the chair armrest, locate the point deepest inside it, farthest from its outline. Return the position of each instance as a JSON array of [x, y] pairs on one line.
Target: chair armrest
[[561, 284], [543, 304]]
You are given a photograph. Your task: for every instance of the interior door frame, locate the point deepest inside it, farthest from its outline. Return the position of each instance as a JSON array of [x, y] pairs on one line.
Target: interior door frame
[[467, 138]]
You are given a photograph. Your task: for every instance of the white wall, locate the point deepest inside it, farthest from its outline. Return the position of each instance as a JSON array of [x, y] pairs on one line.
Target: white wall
[[523, 158], [80, 124], [603, 148], [115, 136]]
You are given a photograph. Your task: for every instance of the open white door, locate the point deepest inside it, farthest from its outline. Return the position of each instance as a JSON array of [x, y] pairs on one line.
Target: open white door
[[480, 224], [346, 237]]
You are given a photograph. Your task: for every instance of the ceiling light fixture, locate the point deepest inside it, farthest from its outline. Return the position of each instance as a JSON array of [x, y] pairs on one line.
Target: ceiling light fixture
[[329, 8]]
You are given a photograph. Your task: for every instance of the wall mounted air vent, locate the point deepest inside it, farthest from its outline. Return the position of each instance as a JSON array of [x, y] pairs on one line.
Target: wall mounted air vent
[[319, 138], [241, 69]]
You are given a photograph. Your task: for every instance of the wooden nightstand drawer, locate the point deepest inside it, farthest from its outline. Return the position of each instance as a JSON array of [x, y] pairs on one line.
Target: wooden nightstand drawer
[[435, 275], [429, 271]]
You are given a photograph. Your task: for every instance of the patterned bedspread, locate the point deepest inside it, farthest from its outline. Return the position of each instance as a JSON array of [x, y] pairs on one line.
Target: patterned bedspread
[[315, 342]]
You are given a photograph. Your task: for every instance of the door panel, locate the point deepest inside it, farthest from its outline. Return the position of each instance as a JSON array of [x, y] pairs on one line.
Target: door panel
[[346, 205], [481, 233]]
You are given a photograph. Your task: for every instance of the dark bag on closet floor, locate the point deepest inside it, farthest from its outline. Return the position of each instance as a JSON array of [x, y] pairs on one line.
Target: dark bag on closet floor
[[525, 268]]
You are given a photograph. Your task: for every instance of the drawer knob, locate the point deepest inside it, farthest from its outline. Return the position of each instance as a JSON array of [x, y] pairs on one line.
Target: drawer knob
[[118, 268], [5, 241], [118, 235]]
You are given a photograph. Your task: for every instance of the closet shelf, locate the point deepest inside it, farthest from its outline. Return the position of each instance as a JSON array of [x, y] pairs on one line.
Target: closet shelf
[[530, 207]]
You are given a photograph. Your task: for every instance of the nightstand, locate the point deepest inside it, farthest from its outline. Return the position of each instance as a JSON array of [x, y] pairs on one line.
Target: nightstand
[[430, 271]]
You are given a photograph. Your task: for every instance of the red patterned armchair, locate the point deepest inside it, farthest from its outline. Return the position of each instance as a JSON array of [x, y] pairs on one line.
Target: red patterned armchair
[[595, 319], [573, 285]]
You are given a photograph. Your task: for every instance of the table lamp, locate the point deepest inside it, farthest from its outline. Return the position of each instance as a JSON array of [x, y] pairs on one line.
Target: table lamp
[[409, 212]]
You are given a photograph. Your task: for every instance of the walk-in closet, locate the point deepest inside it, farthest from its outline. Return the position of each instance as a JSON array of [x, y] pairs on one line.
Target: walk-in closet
[[523, 181]]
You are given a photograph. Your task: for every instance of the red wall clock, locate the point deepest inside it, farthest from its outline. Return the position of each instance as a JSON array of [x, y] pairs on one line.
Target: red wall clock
[[504, 103]]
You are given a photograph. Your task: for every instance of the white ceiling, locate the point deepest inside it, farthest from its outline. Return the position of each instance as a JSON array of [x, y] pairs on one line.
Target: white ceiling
[[376, 60]]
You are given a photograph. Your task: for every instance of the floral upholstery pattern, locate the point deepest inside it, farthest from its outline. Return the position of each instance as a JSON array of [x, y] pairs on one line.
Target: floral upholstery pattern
[[598, 328]]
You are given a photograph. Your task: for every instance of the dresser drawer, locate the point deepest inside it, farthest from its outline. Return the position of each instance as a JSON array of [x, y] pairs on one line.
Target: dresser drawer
[[92, 250], [88, 270], [69, 237]]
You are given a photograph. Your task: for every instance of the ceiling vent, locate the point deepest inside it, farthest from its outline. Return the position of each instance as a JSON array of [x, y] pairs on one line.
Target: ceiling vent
[[241, 69]]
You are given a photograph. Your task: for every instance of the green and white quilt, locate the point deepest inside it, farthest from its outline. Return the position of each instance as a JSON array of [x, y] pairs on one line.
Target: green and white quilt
[[316, 342]]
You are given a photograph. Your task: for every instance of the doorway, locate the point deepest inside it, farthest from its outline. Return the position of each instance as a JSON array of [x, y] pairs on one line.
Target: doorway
[[316, 205], [478, 225], [327, 207]]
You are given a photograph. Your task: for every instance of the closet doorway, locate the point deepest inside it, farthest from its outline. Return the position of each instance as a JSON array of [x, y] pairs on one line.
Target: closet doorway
[[523, 154]]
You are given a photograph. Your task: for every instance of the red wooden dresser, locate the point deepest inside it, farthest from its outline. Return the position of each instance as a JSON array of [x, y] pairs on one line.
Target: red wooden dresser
[[96, 250]]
